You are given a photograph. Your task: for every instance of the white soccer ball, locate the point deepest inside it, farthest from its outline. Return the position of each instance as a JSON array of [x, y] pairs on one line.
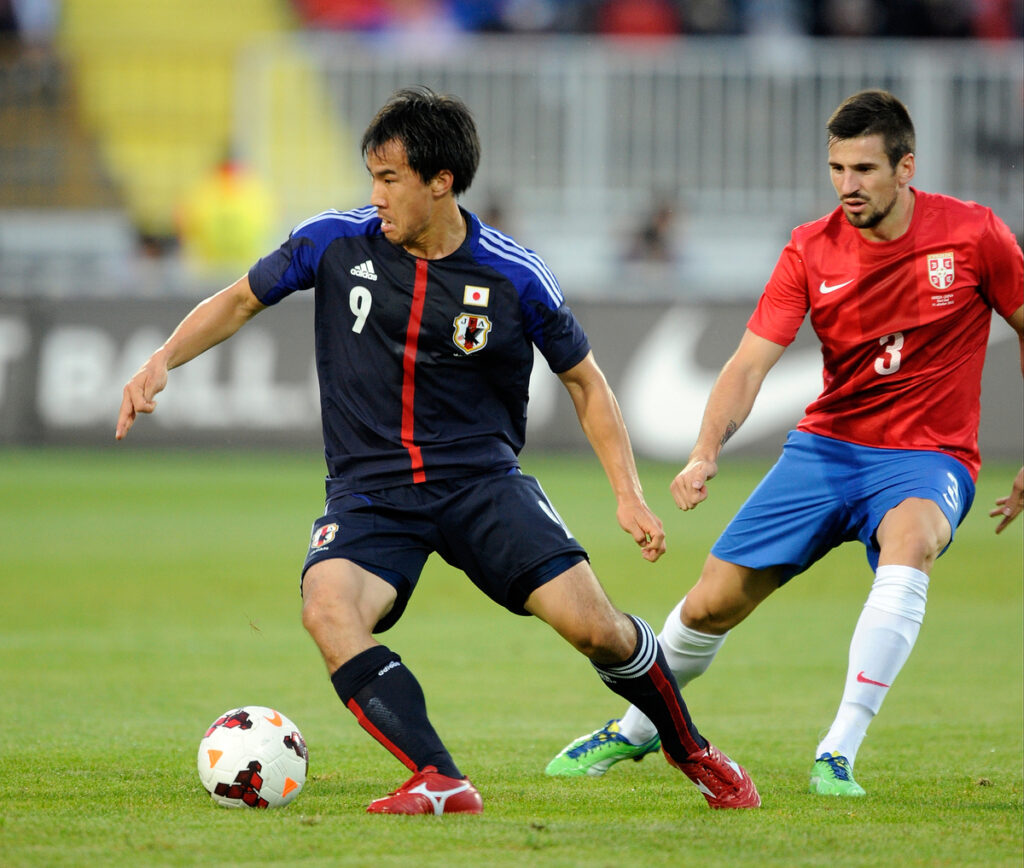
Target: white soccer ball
[[253, 757]]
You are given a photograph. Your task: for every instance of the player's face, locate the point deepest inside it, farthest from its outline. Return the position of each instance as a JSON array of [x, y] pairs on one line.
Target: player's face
[[867, 185], [404, 202]]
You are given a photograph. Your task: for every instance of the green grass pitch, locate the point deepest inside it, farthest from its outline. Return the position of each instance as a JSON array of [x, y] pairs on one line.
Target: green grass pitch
[[144, 592]]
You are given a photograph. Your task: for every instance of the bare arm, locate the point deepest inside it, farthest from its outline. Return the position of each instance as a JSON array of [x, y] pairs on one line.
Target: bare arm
[[210, 322], [602, 422], [729, 404], [1010, 506]]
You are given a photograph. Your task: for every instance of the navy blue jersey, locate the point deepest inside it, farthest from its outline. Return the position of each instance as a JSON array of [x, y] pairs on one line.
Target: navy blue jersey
[[424, 365]]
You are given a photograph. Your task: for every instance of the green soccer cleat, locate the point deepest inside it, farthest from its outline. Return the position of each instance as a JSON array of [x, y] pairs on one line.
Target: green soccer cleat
[[596, 752], [832, 775]]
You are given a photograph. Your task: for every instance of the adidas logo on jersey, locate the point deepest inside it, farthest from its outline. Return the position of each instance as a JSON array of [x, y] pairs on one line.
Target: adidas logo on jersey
[[364, 270]]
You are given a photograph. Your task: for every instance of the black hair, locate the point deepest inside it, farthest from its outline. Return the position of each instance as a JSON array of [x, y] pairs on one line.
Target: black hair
[[436, 130], [874, 112]]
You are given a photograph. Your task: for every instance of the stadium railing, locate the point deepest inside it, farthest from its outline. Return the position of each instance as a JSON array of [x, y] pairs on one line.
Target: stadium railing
[[582, 137]]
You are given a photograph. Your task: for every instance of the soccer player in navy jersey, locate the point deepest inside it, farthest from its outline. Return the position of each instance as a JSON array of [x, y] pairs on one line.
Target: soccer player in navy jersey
[[900, 286], [425, 325]]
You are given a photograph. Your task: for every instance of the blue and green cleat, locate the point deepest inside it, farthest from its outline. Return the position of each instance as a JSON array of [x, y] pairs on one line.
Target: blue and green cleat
[[595, 753], [832, 775]]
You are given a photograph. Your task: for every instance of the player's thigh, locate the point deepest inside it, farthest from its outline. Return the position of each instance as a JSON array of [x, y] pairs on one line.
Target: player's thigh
[[380, 534], [795, 515], [503, 532], [909, 504], [575, 604], [726, 593], [341, 604], [342, 592], [913, 534]]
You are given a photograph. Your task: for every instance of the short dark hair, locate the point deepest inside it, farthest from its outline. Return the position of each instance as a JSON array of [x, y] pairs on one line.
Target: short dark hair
[[436, 130], [874, 112]]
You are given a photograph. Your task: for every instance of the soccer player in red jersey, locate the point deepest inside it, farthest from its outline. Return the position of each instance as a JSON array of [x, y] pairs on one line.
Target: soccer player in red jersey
[[900, 286]]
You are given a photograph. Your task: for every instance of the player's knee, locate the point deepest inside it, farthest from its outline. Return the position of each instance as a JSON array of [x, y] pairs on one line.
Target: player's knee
[[314, 615], [918, 547], [914, 533], [338, 630], [700, 615], [605, 640], [324, 612], [930, 542], [596, 646]]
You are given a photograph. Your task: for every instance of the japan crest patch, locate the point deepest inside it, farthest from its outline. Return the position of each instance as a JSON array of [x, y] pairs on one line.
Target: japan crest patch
[[471, 332], [940, 269], [323, 536]]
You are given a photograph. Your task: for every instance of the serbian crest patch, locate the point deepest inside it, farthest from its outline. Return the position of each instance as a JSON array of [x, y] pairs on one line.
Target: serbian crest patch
[[940, 269], [471, 332]]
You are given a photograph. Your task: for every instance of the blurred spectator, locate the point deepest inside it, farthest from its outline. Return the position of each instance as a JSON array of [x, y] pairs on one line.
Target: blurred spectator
[[479, 15], [987, 19], [423, 24], [639, 18], [533, 16], [653, 258], [772, 17], [382, 16], [655, 241], [928, 18], [343, 14], [33, 21], [718, 17], [31, 75], [494, 215], [8, 23], [846, 18], [997, 19], [227, 221], [405, 25], [932, 19]]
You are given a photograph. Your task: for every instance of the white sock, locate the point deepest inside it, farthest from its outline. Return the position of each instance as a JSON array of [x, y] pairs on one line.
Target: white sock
[[688, 653], [882, 642]]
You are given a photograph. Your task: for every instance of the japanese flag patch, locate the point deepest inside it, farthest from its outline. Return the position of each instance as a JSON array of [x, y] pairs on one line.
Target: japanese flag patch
[[479, 296]]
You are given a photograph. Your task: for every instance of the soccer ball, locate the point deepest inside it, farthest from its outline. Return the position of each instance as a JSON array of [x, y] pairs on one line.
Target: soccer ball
[[253, 757]]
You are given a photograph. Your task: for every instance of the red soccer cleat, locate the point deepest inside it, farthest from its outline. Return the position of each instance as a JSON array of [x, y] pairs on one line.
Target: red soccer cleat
[[429, 792], [723, 782]]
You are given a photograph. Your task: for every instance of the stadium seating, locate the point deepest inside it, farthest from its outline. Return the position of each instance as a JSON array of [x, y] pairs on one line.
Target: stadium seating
[[46, 159], [156, 86]]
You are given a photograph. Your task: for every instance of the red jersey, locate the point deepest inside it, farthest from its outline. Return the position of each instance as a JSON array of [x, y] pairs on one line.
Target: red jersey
[[903, 324]]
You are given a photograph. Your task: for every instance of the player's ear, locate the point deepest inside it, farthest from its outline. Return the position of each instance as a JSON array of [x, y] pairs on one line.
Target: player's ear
[[442, 182], [905, 168]]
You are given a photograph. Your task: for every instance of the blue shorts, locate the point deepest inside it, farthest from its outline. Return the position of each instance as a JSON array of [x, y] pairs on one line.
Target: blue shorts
[[822, 492], [500, 529]]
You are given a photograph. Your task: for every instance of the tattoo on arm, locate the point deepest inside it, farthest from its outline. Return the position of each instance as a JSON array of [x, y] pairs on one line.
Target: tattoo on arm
[[730, 429]]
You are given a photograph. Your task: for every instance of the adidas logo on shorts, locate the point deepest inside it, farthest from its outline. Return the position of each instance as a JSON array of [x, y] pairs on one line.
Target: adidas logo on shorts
[[364, 270]]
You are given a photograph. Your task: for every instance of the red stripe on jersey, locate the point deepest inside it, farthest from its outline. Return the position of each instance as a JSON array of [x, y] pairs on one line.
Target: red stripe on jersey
[[412, 336], [365, 723]]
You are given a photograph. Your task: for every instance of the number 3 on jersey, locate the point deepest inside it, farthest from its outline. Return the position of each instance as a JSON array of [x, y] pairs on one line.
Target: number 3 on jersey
[[890, 362]]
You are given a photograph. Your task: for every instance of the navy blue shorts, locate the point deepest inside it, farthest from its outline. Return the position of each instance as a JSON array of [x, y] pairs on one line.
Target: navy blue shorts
[[823, 492], [499, 529]]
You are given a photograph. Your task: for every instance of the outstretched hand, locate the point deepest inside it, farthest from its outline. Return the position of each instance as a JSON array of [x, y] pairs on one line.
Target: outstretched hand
[[1010, 506], [139, 393], [689, 488], [645, 527]]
